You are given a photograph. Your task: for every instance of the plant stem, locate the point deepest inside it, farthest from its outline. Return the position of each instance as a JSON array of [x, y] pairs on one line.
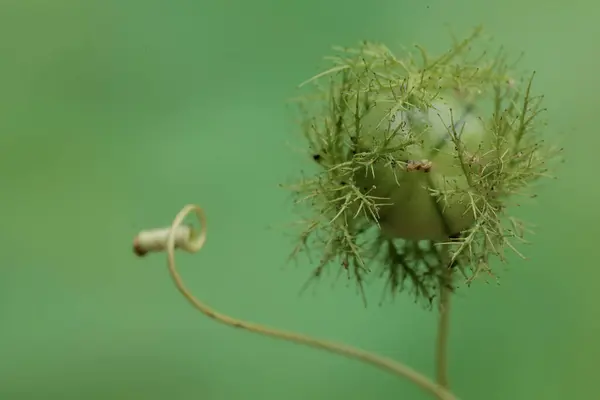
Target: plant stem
[[443, 322], [196, 242]]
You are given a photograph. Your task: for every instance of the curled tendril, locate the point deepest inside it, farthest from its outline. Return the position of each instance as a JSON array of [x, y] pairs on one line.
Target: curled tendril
[[196, 242]]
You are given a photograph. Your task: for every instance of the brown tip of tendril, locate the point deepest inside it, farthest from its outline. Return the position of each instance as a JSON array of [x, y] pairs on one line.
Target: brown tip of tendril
[[137, 249]]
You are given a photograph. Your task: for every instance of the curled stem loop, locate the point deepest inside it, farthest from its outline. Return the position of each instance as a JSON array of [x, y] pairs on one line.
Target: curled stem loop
[[180, 236]]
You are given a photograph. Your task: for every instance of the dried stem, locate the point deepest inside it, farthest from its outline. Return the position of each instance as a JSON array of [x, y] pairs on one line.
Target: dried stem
[[176, 238]]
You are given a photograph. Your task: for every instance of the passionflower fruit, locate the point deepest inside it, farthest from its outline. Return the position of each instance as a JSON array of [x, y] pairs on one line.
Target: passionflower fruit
[[415, 151]]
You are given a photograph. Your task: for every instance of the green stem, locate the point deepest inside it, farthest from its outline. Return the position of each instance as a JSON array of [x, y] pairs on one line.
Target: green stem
[[441, 354]]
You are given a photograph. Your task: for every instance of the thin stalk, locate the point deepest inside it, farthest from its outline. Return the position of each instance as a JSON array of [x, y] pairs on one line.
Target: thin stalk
[[441, 354], [176, 237]]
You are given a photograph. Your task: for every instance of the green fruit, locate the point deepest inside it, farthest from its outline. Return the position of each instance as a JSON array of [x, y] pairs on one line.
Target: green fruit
[[417, 151], [413, 212]]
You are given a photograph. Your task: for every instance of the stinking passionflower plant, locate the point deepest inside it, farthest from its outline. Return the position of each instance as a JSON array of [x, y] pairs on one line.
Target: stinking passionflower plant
[[418, 160]]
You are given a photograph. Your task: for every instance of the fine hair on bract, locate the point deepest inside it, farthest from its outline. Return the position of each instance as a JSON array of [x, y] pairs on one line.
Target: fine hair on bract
[[420, 157], [416, 159]]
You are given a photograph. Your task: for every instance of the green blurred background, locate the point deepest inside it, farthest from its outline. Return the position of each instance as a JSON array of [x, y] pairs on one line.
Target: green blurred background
[[114, 114]]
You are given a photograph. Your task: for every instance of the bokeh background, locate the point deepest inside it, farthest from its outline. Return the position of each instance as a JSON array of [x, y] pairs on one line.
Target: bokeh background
[[114, 114]]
